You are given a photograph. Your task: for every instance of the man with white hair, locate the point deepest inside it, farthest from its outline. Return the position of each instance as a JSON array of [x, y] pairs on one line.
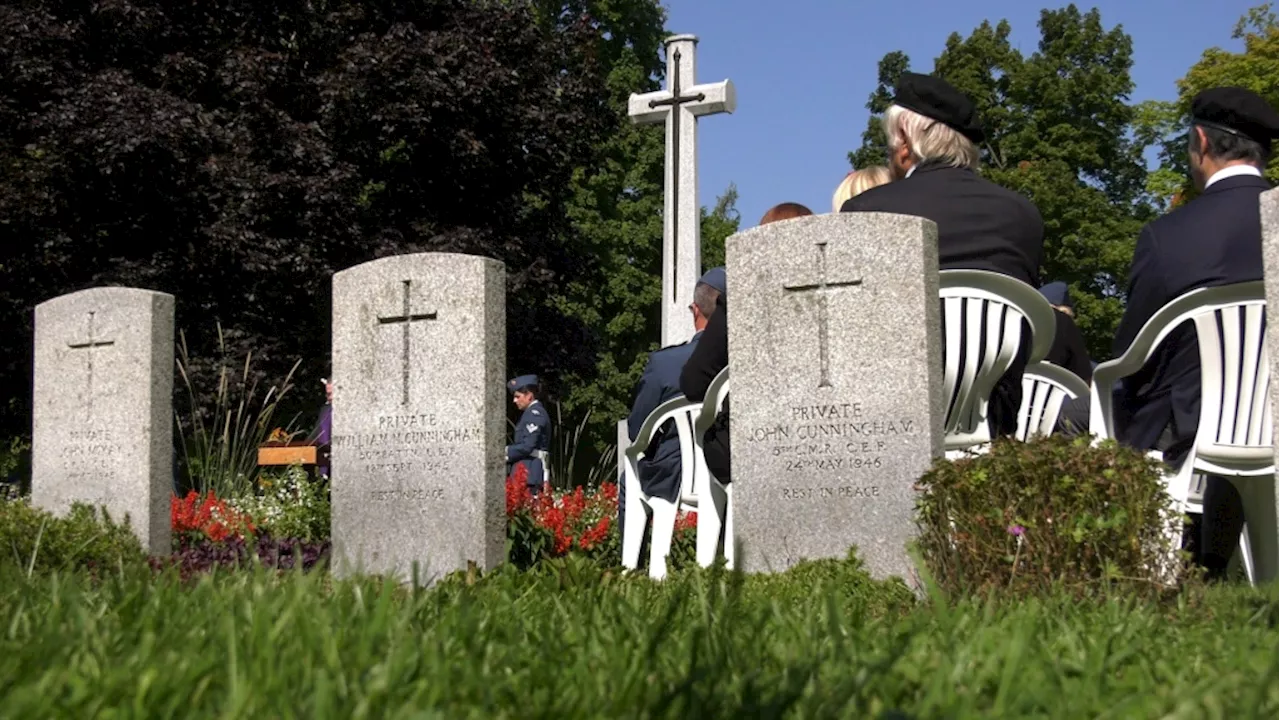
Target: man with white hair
[[933, 133]]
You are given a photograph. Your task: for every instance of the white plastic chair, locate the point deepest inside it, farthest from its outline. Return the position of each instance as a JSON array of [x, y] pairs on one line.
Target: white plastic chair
[[982, 318], [718, 513], [1045, 387], [682, 412], [1234, 439]]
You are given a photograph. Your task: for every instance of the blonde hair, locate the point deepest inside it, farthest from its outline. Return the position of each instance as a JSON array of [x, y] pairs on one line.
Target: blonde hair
[[858, 182], [931, 140]]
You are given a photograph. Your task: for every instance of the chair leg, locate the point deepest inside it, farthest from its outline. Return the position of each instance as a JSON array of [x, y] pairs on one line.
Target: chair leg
[[633, 528], [664, 527], [1177, 487], [1246, 554], [1258, 495], [710, 512]]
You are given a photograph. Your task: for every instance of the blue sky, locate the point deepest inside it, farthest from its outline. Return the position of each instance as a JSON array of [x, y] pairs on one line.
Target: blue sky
[[803, 70]]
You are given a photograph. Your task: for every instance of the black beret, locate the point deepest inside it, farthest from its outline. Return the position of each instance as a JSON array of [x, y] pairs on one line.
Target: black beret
[[1237, 111], [935, 98]]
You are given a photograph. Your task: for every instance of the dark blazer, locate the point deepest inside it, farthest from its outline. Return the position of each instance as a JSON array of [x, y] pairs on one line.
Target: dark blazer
[[533, 433], [707, 360], [660, 468], [981, 226], [1068, 349], [1213, 240]]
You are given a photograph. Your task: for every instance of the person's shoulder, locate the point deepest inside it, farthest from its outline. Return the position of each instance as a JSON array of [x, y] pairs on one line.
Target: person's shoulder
[[673, 354], [1177, 219], [877, 197], [1011, 196]]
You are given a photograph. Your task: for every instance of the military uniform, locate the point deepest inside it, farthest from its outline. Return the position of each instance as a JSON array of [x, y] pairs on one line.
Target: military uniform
[[532, 444]]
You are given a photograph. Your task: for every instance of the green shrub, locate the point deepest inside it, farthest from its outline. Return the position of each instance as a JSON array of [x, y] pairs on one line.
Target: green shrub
[[15, 461], [86, 538], [1028, 516], [289, 504]]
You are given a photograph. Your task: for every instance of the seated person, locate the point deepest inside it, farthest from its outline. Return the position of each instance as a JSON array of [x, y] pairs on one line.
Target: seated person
[[858, 182], [660, 467], [712, 355], [1211, 241], [1068, 351], [933, 135]]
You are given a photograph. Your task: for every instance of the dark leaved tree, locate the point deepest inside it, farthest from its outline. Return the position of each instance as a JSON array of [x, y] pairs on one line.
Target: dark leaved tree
[[236, 153]]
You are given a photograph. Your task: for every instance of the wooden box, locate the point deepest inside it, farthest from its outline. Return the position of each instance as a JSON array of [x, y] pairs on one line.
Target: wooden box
[[299, 453]]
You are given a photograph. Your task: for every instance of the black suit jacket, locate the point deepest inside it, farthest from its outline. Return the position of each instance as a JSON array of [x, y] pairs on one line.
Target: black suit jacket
[[981, 226], [1213, 240], [707, 360], [1068, 350]]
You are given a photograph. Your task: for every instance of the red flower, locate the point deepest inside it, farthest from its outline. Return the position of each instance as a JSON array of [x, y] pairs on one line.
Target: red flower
[[209, 516], [686, 521], [596, 534]]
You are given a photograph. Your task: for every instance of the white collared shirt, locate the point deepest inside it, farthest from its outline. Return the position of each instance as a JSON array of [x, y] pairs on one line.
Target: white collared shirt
[[910, 170], [1232, 171]]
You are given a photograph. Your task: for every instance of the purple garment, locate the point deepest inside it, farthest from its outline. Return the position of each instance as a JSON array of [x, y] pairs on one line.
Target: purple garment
[[323, 430], [325, 426]]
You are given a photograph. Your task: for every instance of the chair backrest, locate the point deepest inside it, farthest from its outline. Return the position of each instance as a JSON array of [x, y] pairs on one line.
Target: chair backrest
[[1045, 387], [1235, 381], [1234, 435], [683, 413], [717, 391], [982, 314]]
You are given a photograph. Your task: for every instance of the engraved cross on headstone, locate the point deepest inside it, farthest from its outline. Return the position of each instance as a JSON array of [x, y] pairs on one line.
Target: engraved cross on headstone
[[822, 289], [88, 347], [679, 106], [403, 319]]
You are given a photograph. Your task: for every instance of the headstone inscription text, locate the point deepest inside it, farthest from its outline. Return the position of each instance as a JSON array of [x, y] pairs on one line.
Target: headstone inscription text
[[418, 415], [835, 362]]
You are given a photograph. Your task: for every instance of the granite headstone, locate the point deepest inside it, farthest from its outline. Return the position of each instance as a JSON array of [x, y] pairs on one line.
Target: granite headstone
[[419, 421], [103, 407], [1270, 215], [836, 367]]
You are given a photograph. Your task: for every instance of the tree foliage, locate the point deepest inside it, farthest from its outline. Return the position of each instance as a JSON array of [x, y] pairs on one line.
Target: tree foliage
[[1058, 131], [236, 153], [616, 210], [1256, 67]]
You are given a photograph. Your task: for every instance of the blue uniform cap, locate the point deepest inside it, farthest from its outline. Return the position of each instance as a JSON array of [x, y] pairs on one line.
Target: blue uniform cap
[[522, 382], [1056, 294], [714, 278]]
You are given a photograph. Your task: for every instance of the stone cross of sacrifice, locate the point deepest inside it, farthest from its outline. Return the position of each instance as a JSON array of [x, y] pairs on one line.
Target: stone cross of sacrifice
[[679, 106]]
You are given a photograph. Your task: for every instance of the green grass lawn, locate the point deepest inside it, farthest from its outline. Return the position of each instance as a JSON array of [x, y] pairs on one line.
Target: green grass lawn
[[573, 641]]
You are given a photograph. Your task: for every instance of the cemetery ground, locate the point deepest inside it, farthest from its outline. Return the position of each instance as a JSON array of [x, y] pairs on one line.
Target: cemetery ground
[[1016, 621]]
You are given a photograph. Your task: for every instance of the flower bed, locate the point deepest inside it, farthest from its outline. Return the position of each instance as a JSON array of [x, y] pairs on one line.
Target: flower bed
[[583, 521]]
